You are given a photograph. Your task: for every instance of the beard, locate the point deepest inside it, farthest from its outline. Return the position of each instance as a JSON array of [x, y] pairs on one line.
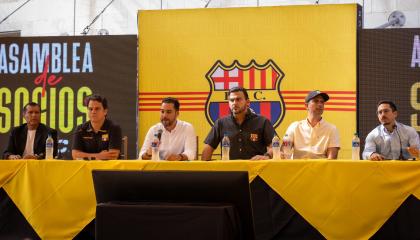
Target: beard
[[166, 122], [238, 110]]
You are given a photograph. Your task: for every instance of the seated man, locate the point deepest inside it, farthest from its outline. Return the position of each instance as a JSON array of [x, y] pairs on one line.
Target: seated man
[[314, 137], [28, 140], [391, 139], [250, 134], [98, 138], [177, 138]]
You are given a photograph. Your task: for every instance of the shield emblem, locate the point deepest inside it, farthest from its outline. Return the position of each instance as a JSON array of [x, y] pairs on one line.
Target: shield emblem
[[261, 81]]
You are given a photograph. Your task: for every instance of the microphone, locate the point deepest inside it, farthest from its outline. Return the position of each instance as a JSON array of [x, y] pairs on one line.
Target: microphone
[[159, 132], [401, 157]]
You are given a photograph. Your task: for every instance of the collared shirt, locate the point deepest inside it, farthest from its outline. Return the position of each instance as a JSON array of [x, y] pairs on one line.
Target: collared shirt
[[181, 140], [108, 137], [388, 144], [247, 140], [312, 142]]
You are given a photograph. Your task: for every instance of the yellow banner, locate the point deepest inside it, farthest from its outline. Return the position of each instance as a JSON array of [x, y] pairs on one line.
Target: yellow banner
[[279, 53]]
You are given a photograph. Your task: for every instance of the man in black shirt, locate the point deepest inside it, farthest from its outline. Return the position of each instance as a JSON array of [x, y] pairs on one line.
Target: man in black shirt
[[98, 138], [250, 135]]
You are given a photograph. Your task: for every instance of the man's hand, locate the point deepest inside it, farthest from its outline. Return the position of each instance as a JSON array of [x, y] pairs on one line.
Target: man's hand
[[14, 157], [376, 157], [29, 156], [149, 151], [414, 152], [260, 157], [174, 157], [106, 155]]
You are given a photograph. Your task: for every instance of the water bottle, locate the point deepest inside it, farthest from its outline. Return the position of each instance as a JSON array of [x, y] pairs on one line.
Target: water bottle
[[49, 148], [287, 147], [225, 147], [355, 147], [155, 148], [275, 144]]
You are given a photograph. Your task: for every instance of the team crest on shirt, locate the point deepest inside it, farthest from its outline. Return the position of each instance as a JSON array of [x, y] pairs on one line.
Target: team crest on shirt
[[105, 137], [261, 81], [253, 137]]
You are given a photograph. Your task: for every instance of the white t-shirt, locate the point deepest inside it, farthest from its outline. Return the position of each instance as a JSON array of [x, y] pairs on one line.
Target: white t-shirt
[[30, 139], [181, 139], [312, 142]]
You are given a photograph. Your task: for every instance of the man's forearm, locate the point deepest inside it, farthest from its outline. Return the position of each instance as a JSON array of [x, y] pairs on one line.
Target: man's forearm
[[332, 153], [207, 153], [80, 154]]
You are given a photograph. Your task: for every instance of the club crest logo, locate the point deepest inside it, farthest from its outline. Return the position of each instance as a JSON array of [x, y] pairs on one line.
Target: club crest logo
[[261, 81]]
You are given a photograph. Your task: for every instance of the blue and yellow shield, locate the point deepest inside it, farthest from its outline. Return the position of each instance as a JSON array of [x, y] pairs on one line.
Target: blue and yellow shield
[[261, 81]]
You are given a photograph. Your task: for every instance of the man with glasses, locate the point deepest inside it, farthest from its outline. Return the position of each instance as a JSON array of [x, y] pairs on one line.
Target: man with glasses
[[391, 139]]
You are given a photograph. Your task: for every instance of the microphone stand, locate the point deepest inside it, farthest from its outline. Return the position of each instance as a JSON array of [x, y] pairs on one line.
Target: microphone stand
[[87, 28], [401, 157]]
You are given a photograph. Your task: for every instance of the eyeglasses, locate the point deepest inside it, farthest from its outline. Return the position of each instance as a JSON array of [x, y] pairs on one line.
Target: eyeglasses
[[385, 111]]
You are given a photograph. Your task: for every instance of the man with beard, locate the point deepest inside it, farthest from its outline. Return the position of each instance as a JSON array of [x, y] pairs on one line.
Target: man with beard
[[391, 139], [177, 138], [314, 137], [250, 134], [98, 138], [28, 140]]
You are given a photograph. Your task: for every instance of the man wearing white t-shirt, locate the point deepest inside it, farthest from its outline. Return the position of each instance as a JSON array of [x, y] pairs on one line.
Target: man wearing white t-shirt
[[177, 138], [27, 141], [314, 137]]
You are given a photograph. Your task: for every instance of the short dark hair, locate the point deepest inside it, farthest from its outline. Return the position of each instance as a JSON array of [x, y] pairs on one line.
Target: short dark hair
[[172, 100], [32, 104], [390, 103], [98, 98], [239, 89]]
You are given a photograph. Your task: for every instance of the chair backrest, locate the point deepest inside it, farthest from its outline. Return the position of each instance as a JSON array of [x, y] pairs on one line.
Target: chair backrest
[[196, 148], [123, 152]]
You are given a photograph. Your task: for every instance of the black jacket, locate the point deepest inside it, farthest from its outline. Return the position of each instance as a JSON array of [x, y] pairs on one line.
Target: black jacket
[[17, 141]]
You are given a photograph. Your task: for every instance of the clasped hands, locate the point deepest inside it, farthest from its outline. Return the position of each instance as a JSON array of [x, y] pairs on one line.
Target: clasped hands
[[170, 157], [28, 156], [414, 152]]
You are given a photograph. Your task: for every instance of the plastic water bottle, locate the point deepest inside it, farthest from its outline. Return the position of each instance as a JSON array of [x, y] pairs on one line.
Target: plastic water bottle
[[275, 144], [355, 147], [49, 148], [225, 147], [155, 148], [287, 147]]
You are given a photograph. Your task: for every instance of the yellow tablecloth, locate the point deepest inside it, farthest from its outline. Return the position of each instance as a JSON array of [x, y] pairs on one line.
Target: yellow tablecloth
[[342, 199]]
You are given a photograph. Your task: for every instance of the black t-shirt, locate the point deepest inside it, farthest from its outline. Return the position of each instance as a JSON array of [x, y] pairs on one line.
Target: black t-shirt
[[246, 140], [86, 140]]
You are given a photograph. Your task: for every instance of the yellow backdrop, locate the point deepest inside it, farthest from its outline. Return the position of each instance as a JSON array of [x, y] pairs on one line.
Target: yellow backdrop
[[294, 49]]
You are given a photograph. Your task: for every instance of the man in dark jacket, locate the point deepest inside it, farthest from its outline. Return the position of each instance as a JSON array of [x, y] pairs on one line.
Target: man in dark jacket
[[27, 141]]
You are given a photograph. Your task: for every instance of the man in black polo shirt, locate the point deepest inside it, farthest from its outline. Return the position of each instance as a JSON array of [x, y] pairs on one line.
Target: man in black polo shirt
[[98, 138], [250, 135]]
